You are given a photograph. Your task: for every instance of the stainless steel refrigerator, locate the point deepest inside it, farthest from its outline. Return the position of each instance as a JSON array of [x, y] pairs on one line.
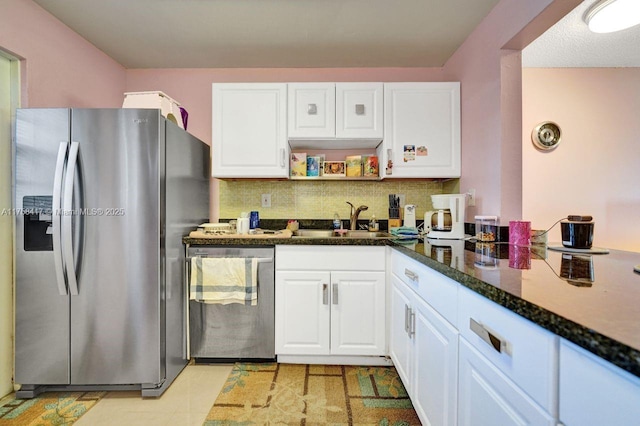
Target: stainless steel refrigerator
[[102, 200]]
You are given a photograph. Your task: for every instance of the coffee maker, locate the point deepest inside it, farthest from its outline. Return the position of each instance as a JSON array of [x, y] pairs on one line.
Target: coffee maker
[[447, 221]]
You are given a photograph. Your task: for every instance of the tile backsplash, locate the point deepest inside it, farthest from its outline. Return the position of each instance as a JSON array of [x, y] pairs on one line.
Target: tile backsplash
[[321, 199]]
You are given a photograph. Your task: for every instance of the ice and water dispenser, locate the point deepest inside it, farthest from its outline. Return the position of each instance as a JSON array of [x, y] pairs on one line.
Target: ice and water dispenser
[[37, 211]]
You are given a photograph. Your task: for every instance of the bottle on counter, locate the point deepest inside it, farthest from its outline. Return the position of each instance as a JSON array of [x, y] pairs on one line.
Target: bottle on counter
[[373, 224], [337, 224]]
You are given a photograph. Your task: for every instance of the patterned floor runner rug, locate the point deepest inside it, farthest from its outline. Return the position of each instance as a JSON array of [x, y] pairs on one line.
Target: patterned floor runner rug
[[48, 409], [263, 394]]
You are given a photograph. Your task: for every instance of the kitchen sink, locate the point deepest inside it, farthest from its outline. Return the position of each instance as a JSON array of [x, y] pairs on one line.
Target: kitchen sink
[[323, 233], [313, 233], [367, 234]]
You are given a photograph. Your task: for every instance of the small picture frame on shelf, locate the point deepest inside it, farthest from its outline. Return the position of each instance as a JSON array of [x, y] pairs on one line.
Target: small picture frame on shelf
[[313, 166], [298, 164], [353, 164], [334, 168], [370, 166]]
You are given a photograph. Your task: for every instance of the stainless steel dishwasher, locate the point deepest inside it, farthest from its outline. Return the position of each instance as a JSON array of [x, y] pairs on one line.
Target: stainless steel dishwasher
[[223, 333]]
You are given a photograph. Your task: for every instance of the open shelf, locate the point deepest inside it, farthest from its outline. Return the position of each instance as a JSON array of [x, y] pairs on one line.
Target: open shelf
[[342, 178]]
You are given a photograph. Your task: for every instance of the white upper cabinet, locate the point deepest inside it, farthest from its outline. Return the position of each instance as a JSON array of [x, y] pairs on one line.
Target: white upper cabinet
[[249, 132], [312, 110], [421, 130], [359, 110], [328, 112]]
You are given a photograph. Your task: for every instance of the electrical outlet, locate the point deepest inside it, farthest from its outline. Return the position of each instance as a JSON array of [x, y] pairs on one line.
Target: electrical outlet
[[403, 200], [266, 200], [471, 200]]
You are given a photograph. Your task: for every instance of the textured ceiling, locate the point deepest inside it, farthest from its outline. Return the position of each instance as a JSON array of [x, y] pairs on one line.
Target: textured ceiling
[[273, 33], [569, 43]]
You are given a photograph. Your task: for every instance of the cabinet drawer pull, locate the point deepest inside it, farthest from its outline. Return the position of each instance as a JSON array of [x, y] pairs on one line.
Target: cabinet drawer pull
[[282, 155], [491, 339], [359, 109], [412, 275], [325, 294], [334, 297]]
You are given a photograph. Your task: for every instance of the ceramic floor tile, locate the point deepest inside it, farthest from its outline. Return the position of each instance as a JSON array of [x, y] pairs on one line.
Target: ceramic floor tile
[[186, 402], [187, 419]]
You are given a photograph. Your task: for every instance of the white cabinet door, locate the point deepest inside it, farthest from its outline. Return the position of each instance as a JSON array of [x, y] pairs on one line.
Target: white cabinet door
[[435, 366], [595, 392], [312, 110], [303, 312], [421, 130], [358, 313], [359, 110], [249, 133], [488, 397], [400, 344]]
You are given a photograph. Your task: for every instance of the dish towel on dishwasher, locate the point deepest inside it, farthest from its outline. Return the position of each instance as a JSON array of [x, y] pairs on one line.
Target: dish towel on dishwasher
[[224, 280]]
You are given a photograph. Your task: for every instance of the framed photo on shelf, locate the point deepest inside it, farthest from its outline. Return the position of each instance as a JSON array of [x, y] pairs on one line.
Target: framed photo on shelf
[[313, 166], [334, 168], [298, 164]]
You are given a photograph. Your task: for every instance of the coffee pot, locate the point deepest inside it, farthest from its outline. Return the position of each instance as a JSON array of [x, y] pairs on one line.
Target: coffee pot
[[446, 221], [440, 220]]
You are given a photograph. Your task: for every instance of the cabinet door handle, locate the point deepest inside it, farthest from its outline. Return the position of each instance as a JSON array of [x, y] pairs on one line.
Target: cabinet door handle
[[406, 318], [282, 154], [412, 323], [325, 294], [412, 275], [359, 109], [490, 338], [334, 296], [312, 109]]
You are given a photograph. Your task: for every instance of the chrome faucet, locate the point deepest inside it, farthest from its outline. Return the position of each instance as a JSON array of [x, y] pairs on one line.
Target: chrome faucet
[[353, 217]]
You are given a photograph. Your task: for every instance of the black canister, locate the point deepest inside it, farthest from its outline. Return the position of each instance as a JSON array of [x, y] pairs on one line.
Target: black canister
[[577, 234]]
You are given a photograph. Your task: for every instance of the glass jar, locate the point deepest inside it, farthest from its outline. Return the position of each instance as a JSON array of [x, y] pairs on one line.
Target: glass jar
[[486, 228]]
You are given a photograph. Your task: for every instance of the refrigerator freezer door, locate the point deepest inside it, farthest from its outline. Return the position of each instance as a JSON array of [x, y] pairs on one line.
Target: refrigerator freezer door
[[42, 313], [187, 204], [116, 332]]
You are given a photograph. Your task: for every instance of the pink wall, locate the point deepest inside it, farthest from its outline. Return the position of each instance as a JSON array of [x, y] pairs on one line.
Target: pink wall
[[58, 67], [488, 67], [595, 169]]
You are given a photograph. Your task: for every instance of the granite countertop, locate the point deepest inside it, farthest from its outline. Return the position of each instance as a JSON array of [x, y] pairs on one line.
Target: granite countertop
[[592, 300]]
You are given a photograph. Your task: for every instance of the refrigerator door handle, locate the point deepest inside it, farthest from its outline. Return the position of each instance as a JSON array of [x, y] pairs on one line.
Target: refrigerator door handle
[[67, 206], [56, 220]]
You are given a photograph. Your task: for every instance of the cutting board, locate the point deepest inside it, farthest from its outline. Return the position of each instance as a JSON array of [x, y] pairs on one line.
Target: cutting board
[[285, 233]]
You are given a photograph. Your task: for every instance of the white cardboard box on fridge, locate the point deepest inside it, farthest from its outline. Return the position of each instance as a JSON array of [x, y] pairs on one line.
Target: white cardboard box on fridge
[[169, 108]]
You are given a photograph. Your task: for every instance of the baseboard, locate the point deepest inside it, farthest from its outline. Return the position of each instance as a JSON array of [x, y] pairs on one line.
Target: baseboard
[[335, 360]]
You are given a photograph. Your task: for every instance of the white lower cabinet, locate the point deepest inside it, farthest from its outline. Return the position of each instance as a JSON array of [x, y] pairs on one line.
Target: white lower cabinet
[[594, 391], [508, 366], [424, 348], [488, 397], [320, 311]]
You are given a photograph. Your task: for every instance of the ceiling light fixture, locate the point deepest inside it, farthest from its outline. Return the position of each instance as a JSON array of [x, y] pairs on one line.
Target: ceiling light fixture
[[607, 16]]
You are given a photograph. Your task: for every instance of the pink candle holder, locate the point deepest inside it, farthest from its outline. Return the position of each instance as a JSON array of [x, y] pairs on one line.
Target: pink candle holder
[[520, 233]]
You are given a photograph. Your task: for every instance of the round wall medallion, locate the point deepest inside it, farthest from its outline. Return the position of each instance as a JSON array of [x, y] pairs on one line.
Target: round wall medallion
[[546, 135]]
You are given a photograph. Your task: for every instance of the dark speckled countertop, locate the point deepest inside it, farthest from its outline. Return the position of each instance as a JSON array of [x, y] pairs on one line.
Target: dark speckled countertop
[[590, 300]]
